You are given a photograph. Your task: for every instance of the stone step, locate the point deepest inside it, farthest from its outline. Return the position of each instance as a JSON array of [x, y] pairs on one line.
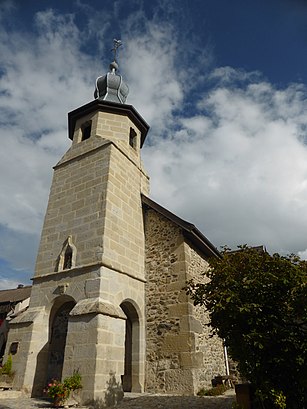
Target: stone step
[[9, 394]]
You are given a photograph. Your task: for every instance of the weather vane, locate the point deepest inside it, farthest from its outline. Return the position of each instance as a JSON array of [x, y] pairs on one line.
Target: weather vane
[[116, 45]]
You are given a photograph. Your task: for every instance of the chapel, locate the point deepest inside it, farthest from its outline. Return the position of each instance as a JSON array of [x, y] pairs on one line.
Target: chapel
[[108, 297]]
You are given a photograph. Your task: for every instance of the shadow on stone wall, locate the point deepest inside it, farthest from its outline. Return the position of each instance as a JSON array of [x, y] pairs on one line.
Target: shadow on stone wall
[[40, 380], [113, 395]]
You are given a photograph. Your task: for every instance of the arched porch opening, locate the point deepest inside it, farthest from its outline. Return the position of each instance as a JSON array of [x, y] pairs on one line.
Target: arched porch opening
[[131, 377], [57, 340]]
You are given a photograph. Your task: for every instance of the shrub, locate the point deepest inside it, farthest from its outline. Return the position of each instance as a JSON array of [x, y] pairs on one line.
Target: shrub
[[73, 382], [215, 391], [7, 367], [257, 303]]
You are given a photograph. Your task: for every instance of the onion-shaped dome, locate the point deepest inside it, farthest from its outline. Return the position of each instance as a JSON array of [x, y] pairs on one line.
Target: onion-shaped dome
[[111, 86]]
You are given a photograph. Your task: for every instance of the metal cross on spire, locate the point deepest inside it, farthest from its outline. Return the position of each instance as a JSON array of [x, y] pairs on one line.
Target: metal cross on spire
[[116, 45]]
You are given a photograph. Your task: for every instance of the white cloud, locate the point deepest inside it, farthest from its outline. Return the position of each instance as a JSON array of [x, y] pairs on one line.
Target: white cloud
[[150, 69], [8, 284], [230, 75], [303, 254], [239, 169]]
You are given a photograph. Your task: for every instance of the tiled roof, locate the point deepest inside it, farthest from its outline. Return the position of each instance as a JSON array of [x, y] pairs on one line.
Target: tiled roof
[[15, 295]]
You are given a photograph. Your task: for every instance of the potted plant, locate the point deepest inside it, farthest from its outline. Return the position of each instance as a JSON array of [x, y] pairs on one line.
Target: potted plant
[[58, 392], [73, 383]]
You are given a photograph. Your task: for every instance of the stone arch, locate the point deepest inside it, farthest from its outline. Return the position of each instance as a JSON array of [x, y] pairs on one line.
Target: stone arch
[[58, 325], [131, 377]]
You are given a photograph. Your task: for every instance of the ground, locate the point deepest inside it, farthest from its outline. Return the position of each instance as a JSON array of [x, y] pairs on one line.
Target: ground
[[13, 400]]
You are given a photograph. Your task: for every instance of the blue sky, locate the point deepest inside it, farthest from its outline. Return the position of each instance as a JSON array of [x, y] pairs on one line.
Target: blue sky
[[222, 85]]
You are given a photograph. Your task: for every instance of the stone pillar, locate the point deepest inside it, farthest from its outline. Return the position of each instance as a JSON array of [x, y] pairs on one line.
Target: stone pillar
[[95, 347], [30, 331]]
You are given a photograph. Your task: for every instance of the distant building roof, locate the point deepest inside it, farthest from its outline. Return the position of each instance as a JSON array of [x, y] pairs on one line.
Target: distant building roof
[[15, 295], [258, 249], [189, 230]]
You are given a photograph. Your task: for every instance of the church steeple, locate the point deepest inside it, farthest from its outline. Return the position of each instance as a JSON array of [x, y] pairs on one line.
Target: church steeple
[[90, 269], [111, 86]]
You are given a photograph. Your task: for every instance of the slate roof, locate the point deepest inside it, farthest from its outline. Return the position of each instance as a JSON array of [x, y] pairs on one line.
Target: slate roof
[[110, 107], [189, 230]]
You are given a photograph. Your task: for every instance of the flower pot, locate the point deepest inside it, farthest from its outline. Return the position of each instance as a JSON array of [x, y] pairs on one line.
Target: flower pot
[[58, 402], [74, 398]]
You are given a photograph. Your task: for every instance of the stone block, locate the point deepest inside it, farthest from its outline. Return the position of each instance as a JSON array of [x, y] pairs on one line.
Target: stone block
[[177, 310], [179, 381], [190, 323], [191, 360], [178, 342]]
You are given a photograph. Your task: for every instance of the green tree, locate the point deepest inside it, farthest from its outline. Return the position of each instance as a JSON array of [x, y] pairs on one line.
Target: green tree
[[258, 304]]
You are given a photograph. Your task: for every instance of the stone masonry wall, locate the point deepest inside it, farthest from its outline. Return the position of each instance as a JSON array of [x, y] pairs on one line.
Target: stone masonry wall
[[210, 347], [163, 258], [181, 357], [95, 198]]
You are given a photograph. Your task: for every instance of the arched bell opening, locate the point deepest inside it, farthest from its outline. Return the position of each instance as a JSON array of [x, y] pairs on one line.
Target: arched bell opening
[[130, 379]]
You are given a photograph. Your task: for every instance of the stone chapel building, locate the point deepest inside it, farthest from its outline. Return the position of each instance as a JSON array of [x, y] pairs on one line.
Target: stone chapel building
[[107, 296]]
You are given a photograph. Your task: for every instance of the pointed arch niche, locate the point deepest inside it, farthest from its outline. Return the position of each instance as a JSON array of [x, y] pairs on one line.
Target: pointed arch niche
[[67, 257], [58, 326]]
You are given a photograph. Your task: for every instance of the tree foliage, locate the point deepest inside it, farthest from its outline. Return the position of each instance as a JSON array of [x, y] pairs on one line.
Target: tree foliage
[[258, 304]]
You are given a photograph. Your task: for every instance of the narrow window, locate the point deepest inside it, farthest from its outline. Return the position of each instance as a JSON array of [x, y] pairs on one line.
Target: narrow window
[[132, 138], [86, 130], [14, 348], [67, 258]]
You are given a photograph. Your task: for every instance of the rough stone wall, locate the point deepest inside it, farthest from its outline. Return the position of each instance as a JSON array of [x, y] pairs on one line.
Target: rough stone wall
[[181, 358], [163, 289], [210, 347]]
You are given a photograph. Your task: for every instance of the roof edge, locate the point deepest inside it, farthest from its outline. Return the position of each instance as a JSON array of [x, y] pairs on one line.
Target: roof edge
[[190, 231], [110, 107]]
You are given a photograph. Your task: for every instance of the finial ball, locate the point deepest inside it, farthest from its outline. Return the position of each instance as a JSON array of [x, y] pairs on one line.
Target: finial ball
[[113, 66]]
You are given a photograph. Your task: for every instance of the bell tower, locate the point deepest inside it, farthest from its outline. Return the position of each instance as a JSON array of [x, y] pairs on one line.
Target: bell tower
[[87, 308]]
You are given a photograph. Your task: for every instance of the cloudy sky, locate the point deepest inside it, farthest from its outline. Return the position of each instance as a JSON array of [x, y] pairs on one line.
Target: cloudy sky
[[221, 83]]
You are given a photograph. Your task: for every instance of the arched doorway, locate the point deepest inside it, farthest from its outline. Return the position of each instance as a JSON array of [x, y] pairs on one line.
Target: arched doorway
[[130, 378], [58, 332]]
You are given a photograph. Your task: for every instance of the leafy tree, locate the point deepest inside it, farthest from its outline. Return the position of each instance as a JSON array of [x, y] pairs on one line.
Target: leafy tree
[[258, 304]]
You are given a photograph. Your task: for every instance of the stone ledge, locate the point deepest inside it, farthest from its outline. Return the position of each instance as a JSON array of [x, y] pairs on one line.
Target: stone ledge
[[26, 317], [77, 270], [97, 306]]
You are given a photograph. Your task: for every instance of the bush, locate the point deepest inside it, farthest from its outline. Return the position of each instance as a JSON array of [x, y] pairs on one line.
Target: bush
[[7, 367], [215, 391], [258, 304], [73, 382]]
